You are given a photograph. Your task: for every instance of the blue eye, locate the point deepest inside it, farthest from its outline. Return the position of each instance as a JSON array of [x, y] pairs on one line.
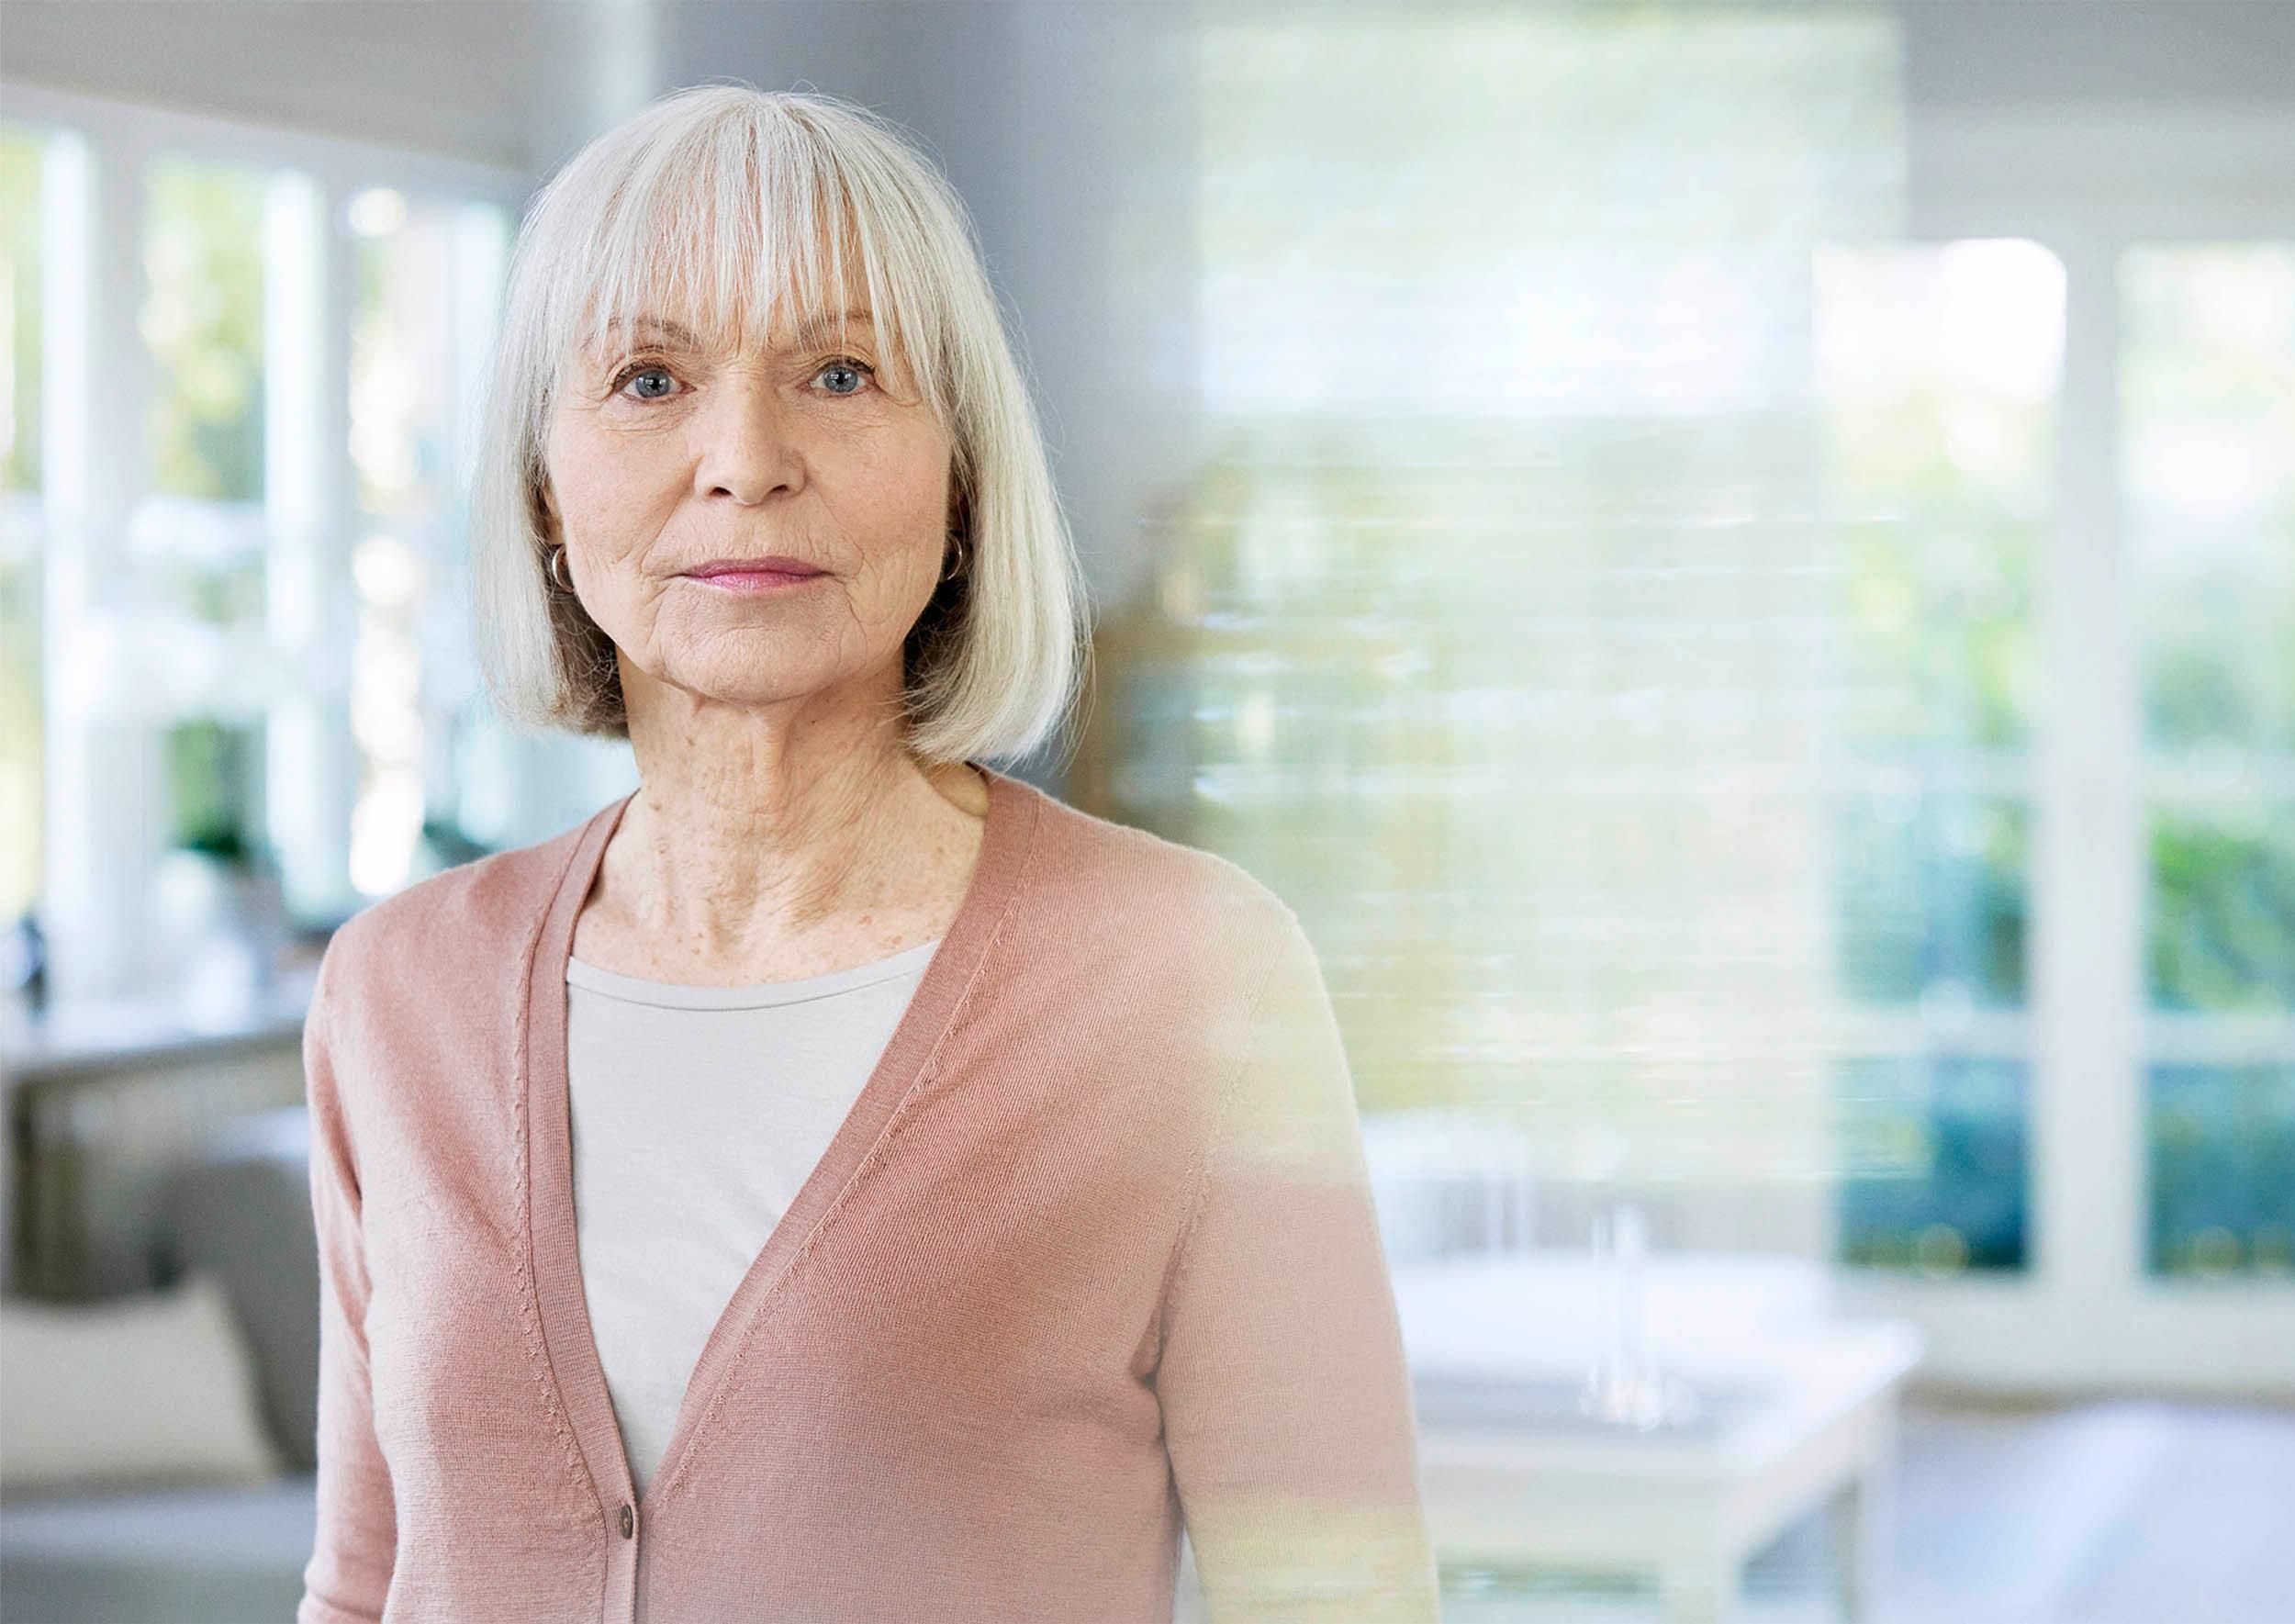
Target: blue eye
[[638, 372], [847, 365]]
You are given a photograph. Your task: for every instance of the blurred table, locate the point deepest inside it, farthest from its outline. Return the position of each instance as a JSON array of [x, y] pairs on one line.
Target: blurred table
[[100, 1098], [1798, 1411]]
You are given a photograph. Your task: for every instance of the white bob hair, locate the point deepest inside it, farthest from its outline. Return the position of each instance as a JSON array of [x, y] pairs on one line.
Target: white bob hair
[[724, 202]]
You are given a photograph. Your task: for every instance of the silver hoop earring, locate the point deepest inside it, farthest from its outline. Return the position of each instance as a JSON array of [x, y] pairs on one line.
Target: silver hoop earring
[[963, 557], [557, 569]]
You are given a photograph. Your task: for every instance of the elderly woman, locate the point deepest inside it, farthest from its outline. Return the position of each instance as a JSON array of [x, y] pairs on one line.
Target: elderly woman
[[838, 1181]]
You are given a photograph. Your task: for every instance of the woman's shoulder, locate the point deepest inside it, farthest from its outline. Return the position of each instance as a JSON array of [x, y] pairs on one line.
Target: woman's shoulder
[[1107, 877]]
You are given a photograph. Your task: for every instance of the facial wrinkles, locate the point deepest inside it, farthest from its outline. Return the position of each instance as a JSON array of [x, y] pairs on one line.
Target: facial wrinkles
[[850, 450], [844, 475]]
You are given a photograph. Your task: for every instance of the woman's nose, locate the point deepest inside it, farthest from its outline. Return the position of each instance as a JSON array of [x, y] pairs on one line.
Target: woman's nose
[[748, 446]]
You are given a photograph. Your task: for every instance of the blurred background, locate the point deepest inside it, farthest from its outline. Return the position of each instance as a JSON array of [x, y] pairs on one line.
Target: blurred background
[[1734, 562]]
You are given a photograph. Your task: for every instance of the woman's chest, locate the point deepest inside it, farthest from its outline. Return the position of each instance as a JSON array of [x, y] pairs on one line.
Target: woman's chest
[[973, 1262]]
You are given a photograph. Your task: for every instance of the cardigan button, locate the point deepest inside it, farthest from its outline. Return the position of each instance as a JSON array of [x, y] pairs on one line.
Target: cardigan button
[[629, 1521]]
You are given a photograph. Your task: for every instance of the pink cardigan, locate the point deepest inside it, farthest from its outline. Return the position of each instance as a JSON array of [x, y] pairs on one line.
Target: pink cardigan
[[1093, 1254]]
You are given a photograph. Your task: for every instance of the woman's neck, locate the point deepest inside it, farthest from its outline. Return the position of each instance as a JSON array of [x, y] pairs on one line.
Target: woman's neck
[[712, 878]]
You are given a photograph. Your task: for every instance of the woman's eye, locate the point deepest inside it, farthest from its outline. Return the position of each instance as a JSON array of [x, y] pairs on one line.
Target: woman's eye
[[860, 370], [640, 371], [846, 376]]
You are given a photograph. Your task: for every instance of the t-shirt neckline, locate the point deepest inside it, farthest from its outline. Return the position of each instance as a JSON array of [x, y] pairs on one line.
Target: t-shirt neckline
[[749, 995]]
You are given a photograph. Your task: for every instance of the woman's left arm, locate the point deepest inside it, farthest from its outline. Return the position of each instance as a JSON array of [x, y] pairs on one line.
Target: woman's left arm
[[1286, 1400]]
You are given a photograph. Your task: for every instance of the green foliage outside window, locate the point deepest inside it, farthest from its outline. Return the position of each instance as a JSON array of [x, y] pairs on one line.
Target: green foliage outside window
[[215, 776], [2221, 934], [1938, 605], [1932, 893], [2222, 1170], [203, 318], [1935, 1151]]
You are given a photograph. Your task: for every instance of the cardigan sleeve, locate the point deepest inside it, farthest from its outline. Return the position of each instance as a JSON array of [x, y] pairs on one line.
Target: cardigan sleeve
[[348, 1574], [1286, 1400]]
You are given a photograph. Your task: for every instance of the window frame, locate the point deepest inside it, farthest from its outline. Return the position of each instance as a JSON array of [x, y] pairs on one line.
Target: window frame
[[2089, 181]]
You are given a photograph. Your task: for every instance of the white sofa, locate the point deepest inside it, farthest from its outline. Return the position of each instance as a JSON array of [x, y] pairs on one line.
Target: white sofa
[[136, 1532]]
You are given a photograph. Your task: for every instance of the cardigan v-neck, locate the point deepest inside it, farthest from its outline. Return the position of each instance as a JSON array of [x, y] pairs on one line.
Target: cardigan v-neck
[[573, 1361], [1091, 1260]]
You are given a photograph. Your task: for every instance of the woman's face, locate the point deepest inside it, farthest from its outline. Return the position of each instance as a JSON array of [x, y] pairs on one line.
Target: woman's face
[[663, 458]]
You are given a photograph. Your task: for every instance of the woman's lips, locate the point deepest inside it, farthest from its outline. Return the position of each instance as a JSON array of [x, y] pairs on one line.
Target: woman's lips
[[756, 580]]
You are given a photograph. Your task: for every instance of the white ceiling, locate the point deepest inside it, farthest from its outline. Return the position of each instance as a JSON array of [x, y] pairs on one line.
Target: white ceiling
[[520, 82], [471, 79]]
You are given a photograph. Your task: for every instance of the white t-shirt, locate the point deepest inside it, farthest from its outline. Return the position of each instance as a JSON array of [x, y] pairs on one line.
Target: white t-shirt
[[697, 1115]]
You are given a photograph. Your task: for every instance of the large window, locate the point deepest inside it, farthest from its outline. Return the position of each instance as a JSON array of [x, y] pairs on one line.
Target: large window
[[198, 539], [241, 365], [2208, 393], [1937, 374]]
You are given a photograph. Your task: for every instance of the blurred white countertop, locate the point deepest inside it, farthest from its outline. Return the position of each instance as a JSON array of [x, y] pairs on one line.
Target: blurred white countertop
[[93, 1033]]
